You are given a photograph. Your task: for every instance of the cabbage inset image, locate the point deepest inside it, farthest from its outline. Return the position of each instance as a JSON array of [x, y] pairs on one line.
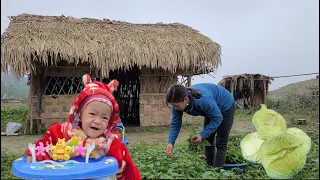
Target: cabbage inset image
[[281, 151]]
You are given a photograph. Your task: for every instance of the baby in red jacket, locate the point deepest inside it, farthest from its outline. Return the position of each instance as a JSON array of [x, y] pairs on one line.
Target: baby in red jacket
[[93, 118]]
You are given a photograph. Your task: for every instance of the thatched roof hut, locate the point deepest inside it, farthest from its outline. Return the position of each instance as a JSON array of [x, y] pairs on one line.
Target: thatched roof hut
[[144, 58], [251, 88], [105, 45]]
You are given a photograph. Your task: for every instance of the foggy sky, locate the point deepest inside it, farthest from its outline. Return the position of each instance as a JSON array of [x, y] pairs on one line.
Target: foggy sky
[[272, 37]]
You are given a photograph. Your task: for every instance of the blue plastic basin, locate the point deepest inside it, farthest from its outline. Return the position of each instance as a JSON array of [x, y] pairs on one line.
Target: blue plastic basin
[[232, 166]]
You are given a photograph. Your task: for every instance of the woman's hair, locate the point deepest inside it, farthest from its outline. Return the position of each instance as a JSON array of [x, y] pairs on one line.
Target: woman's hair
[[177, 92]]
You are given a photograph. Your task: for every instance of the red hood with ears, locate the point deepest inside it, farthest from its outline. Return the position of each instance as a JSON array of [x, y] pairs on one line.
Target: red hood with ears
[[92, 88]]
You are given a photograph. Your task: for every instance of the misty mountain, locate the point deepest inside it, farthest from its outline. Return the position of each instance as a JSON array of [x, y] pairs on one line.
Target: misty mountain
[[11, 87]]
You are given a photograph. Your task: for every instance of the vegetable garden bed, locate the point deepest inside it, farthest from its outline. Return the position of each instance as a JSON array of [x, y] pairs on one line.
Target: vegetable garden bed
[[153, 163]]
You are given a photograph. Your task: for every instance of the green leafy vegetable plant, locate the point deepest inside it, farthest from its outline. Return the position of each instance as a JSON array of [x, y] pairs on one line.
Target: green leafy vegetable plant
[[234, 156], [196, 147]]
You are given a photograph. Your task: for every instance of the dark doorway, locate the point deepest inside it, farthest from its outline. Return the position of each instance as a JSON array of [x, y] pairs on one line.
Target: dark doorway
[[127, 94]]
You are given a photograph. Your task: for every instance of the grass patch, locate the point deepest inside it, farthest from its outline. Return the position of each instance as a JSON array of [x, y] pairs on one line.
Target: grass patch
[[298, 88], [14, 114], [291, 106], [244, 114], [7, 159]]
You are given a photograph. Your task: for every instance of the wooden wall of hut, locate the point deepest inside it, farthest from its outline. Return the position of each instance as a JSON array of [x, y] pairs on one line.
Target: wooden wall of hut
[[156, 80], [259, 92], [52, 91], [153, 108]]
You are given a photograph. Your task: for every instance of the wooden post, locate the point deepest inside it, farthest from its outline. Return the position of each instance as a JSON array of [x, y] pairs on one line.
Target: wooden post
[[31, 93], [189, 81], [264, 92], [39, 93], [100, 76], [232, 87], [252, 92]]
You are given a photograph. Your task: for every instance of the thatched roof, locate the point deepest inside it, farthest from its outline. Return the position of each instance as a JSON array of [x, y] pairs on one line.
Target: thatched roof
[[242, 80], [253, 87], [104, 44]]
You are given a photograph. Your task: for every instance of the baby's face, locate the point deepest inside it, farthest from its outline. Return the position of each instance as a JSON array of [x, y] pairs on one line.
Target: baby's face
[[95, 118]]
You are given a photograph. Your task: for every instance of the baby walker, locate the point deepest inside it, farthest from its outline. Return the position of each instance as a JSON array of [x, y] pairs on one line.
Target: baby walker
[[63, 167], [121, 131]]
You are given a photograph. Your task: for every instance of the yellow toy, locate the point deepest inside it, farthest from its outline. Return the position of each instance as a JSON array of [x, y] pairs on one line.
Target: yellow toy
[[61, 151]]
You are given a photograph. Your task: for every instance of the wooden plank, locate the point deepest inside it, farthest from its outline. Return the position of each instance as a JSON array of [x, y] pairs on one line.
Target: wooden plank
[[12, 134]]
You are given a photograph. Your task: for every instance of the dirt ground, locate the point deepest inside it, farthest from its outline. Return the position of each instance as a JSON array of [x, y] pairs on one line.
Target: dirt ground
[[19, 143]]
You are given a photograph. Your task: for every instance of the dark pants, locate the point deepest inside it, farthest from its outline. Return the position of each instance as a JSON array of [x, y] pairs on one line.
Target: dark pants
[[216, 154]]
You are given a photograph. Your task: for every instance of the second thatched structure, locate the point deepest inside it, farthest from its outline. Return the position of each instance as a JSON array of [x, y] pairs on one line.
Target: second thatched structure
[[251, 89]]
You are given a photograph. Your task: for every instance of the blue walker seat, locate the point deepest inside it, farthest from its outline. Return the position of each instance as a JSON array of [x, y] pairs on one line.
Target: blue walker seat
[[75, 168]]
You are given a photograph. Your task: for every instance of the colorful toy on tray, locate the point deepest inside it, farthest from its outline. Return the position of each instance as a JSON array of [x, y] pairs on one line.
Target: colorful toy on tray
[[61, 151], [75, 155]]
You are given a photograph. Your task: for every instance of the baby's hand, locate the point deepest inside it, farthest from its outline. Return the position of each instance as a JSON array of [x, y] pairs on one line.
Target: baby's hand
[[29, 159]]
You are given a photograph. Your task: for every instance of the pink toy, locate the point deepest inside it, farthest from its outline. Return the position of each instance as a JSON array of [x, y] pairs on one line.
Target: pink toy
[[80, 149], [41, 150]]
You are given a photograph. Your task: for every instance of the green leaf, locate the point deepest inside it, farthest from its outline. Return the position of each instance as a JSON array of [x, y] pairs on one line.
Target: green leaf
[[206, 143], [194, 132], [207, 174]]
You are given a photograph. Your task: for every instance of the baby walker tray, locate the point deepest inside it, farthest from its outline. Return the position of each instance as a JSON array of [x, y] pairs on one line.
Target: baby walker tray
[[64, 167]]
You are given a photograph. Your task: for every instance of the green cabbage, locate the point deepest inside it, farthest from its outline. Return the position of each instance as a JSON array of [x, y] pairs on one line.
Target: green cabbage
[[268, 122], [280, 142], [281, 151], [250, 147], [298, 133], [285, 164]]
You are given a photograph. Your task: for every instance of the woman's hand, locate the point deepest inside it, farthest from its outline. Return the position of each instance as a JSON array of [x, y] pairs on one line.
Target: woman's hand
[[197, 138], [169, 150]]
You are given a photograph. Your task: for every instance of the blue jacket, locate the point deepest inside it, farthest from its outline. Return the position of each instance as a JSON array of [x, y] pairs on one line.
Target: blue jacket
[[214, 100]]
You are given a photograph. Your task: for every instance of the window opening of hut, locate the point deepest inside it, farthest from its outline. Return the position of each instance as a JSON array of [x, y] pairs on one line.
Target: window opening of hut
[[56, 85]]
